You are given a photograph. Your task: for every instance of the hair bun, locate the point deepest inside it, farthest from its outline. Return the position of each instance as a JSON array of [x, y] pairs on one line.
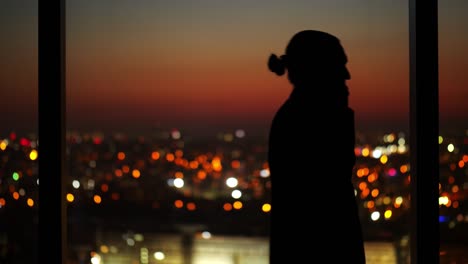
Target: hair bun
[[276, 64]]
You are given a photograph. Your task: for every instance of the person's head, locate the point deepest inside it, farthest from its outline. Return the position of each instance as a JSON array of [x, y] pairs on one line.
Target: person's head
[[312, 57]]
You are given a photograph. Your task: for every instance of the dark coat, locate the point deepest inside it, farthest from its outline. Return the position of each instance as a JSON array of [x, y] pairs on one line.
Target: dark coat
[[311, 159]]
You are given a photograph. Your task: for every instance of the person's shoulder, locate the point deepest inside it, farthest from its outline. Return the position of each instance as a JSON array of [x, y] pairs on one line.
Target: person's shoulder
[[284, 114], [285, 108]]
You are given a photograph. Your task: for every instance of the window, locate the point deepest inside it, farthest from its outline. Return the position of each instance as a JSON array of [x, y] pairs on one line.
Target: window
[[413, 115]]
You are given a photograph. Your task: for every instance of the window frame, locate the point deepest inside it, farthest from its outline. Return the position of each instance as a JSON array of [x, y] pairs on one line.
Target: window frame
[[424, 126]]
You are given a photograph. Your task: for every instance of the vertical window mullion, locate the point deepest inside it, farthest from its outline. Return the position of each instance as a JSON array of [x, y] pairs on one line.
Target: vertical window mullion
[[52, 211], [424, 130]]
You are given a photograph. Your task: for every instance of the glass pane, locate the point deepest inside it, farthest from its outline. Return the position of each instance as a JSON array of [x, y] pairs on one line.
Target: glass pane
[[18, 131], [169, 106], [453, 61]]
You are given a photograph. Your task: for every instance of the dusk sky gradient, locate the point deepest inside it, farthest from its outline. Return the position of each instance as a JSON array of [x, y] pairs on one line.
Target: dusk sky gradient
[[137, 64]]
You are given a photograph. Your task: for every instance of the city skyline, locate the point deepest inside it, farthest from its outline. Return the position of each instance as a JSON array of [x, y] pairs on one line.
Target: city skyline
[[146, 64]]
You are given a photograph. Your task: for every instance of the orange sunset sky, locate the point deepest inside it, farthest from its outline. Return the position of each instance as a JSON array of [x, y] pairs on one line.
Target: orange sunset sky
[[201, 65]]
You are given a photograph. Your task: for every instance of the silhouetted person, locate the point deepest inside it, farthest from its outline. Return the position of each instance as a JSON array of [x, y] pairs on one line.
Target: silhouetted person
[[311, 157]]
